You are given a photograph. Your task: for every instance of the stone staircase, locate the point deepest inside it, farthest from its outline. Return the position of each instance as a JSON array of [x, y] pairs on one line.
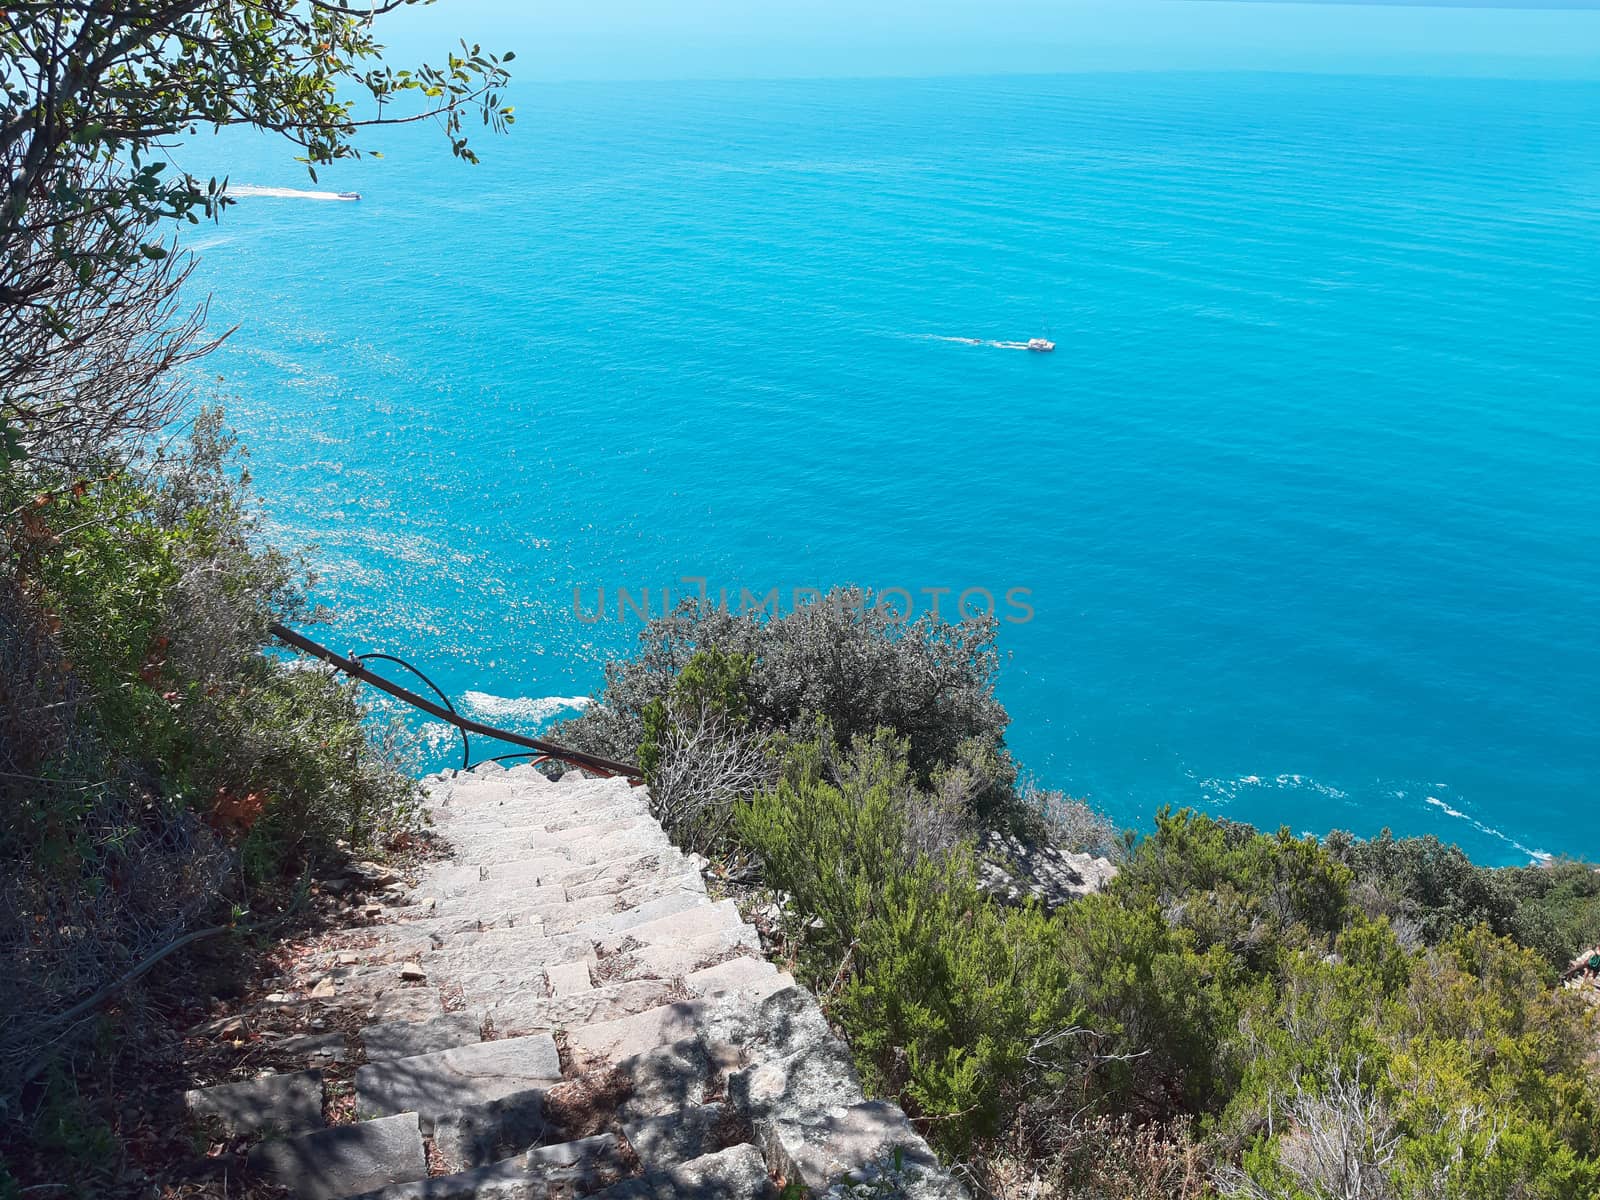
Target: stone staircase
[[560, 1010]]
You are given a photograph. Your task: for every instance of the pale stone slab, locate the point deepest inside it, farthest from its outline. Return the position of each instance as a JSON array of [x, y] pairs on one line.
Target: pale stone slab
[[599, 918], [863, 1141], [642, 872], [431, 1084], [803, 1086], [568, 978], [346, 1159], [737, 1173], [404, 1039], [618, 868], [400, 1003], [607, 1003], [624, 811], [627, 1036], [568, 1169], [675, 1137], [754, 979], [665, 1079], [477, 1135], [681, 958], [694, 922], [288, 1103]]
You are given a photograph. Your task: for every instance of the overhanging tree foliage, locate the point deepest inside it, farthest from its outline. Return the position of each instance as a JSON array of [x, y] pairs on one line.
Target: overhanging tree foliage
[[94, 93], [98, 81]]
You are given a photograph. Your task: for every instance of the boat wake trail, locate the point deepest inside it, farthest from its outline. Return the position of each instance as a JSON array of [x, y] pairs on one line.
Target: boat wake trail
[[964, 341], [282, 193], [1536, 856]]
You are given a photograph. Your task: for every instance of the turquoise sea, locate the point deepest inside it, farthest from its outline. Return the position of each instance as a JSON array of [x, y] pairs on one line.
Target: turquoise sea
[[1307, 501]]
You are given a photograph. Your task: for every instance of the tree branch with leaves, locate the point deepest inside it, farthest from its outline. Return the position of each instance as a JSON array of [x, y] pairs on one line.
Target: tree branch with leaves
[[98, 82]]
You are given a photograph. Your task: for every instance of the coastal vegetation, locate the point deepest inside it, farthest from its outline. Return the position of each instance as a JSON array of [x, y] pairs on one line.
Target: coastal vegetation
[[1239, 1014], [163, 776]]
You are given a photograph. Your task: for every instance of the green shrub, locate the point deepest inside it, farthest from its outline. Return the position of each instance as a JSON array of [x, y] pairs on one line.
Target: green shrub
[[1250, 892], [1435, 889], [700, 751], [1467, 1078], [712, 689], [941, 991], [831, 663], [151, 746]]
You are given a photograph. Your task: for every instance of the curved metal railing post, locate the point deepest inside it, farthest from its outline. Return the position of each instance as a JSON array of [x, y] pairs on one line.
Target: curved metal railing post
[[352, 665]]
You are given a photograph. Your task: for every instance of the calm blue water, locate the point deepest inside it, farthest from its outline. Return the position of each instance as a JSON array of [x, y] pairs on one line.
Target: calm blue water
[[1308, 500]]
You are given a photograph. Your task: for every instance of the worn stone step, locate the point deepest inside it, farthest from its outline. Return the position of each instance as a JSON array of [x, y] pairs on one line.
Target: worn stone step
[[621, 866], [630, 874], [525, 772], [753, 979], [522, 1013], [614, 811], [581, 916], [860, 1141], [400, 1004], [520, 794], [677, 1137], [406, 1039], [528, 896], [287, 1103], [694, 922], [476, 1135], [394, 944], [664, 1079], [346, 1159], [516, 803], [371, 992], [737, 1173], [514, 953], [570, 978], [679, 957], [627, 1036], [570, 1168], [432, 1084], [597, 918]]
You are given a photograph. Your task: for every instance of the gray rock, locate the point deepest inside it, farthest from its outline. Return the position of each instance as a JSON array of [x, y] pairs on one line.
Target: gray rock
[[783, 1024], [572, 1167], [665, 1079], [1014, 871], [676, 1137], [752, 978], [433, 1084], [322, 1047], [476, 1135], [288, 1103], [861, 1142], [370, 874], [627, 1036], [802, 1086], [346, 1159], [737, 1173], [567, 978], [403, 1039]]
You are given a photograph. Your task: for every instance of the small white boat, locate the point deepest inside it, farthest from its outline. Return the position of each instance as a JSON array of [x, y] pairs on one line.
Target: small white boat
[[349, 195], [1041, 345]]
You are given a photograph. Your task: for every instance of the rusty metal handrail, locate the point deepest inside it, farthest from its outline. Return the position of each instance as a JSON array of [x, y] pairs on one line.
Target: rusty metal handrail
[[351, 666]]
